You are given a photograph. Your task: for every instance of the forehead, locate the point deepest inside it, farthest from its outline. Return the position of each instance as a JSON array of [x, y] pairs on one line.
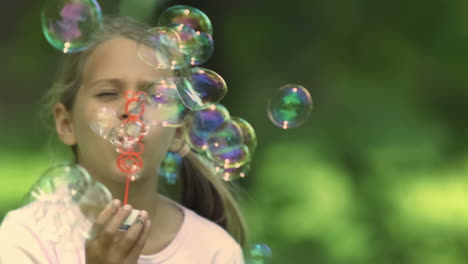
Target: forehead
[[117, 58]]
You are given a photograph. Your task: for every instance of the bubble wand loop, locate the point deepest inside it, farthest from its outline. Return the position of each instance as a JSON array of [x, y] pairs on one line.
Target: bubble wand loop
[[130, 161]]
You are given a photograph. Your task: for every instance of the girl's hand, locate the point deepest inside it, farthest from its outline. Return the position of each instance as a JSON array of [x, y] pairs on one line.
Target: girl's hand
[[111, 246]]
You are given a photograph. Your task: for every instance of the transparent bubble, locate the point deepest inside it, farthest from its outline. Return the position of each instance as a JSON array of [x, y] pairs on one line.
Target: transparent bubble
[[164, 107], [105, 119], [160, 48], [290, 107], [69, 24], [197, 46], [170, 167], [259, 254], [65, 200], [248, 134], [226, 148], [230, 174], [201, 89], [203, 124], [187, 15]]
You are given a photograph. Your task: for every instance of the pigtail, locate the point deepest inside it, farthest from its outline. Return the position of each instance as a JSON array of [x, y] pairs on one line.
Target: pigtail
[[211, 197]]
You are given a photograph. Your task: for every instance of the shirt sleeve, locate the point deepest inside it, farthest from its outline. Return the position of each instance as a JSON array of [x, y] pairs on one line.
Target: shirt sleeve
[[231, 255], [20, 244]]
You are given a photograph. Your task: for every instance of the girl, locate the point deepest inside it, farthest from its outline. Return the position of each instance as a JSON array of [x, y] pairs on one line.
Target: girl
[[205, 226]]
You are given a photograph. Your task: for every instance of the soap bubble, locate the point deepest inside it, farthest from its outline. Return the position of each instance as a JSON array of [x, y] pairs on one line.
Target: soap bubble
[[187, 15], [160, 48], [204, 123], [197, 46], [125, 137], [201, 89], [105, 119], [226, 147], [164, 107], [170, 167], [290, 107], [259, 254], [65, 201], [248, 134], [69, 24]]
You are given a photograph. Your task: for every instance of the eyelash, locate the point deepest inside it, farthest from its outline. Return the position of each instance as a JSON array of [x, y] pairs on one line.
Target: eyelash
[[107, 94]]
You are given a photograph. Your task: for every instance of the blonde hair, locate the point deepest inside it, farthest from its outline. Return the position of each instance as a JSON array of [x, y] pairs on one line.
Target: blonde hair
[[200, 189]]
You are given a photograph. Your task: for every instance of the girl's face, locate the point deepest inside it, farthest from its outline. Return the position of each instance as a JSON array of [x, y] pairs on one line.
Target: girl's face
[[112, 68]]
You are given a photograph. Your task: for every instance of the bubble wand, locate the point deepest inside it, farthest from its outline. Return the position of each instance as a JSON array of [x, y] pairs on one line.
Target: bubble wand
[[130, 161]]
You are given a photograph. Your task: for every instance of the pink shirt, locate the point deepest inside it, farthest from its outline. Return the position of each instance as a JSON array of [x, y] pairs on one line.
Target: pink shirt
[[198, 241]]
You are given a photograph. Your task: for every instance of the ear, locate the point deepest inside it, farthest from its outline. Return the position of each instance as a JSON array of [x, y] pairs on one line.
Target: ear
[[63, 124], [178, 140]]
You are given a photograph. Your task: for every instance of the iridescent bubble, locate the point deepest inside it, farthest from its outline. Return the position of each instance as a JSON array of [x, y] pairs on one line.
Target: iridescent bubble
[[170, 167], [164, 107], [69, 24], [204, 48], [290, 107], [248, 134], [197, 46], [259, 254], [226, 148], [187, 15], [64, 201], [160, 48], [204, 123], [126, 136], [203, 88], [230, 174], [105, 119]]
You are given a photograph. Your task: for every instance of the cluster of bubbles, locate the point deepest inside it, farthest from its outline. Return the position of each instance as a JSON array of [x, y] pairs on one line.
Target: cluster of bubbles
[[228, 142], [182, 41], [64, 202]]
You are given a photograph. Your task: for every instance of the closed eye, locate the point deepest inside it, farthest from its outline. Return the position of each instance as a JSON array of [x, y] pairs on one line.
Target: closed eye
[[107, 94]]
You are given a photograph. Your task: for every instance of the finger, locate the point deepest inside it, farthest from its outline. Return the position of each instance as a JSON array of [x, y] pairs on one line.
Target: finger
[[130, 237], [135, 251], [110, 229], [104, 217]]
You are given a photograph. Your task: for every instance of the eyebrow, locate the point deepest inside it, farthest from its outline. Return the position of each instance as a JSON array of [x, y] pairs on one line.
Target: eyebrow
[[119, 83]]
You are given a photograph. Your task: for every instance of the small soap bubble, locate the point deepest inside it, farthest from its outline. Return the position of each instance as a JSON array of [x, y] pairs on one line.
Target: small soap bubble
[[170, 167], [290, 107], [68, 24], [201, 89], [259, 254], [164, 107], [105, 119], [160, 48], [248, 134], [226, 147], [197, 46], [187, 15], [204, 123]]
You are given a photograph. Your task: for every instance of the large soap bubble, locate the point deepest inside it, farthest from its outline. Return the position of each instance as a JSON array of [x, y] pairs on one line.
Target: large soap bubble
[[69, 24], [65, 201]]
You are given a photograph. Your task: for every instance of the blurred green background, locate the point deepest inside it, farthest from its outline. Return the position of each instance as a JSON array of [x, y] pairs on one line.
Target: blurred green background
[[378, 174]]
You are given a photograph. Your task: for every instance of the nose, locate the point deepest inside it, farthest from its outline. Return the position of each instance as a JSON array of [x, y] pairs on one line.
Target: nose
[[123, 116]]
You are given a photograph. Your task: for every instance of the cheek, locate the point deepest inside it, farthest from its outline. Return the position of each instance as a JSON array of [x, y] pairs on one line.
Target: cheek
[[157, 141]]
